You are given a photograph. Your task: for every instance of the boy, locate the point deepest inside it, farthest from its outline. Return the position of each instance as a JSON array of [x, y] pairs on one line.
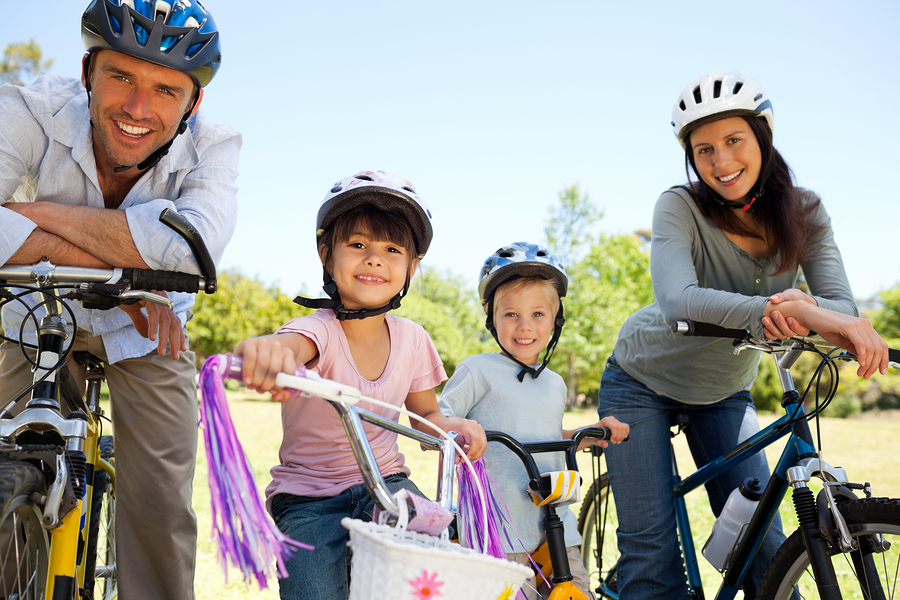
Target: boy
[[521, 289]]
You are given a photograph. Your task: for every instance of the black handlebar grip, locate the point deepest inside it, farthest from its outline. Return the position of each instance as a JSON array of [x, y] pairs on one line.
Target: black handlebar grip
[[169, 281], [695, 328], [189, 233], [894, 355]]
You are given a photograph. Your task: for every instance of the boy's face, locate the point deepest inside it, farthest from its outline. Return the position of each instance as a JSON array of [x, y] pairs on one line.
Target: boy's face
[[524, 322]]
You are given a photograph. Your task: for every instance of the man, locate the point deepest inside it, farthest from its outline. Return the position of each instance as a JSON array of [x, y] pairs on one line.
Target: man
[[90, 174]]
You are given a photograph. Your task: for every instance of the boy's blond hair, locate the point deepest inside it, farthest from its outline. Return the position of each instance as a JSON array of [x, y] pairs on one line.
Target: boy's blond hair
[[522, 285]]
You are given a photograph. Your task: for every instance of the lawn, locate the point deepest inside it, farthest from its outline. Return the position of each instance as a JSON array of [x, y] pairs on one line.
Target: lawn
[[862, 446]]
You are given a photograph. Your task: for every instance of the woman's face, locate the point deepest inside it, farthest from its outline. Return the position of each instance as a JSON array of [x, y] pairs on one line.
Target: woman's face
[[728, 157]]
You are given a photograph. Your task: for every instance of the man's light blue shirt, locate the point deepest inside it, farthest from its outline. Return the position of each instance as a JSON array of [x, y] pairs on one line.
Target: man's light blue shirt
[[46, 155]]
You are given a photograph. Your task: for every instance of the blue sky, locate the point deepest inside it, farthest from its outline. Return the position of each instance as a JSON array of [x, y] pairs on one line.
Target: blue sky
[[492, 108]]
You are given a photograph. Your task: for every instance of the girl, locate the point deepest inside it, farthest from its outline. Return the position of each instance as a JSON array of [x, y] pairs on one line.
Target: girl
[[726, 249], [372, 229]]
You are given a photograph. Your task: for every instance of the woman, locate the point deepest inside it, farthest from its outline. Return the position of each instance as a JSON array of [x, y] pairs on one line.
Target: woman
[[726, 250]]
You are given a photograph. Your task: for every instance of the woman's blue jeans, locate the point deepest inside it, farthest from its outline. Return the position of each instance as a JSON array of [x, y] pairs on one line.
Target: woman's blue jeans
[[324, 573], [640, 473]]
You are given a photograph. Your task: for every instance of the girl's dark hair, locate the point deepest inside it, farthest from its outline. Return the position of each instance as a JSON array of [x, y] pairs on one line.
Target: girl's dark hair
[[381, 225], [788, 223]]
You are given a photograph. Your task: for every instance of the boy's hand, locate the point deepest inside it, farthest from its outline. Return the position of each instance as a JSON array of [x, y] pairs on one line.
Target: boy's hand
[[264, 358], [618, 432]]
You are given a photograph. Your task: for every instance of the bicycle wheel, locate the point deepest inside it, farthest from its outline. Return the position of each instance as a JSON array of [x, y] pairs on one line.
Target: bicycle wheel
[[597, 524], [100, 570], [871, 572], [24, 543]]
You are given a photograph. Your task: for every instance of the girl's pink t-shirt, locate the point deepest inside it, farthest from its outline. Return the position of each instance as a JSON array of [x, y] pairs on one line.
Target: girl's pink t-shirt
[[315, 456]]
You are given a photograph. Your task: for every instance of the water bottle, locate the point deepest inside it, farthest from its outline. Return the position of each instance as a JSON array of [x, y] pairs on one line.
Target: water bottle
[[727, 529]]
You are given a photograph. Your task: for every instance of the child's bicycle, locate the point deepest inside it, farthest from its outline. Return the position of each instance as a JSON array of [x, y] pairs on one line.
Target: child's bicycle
[[402, 553], [843, 546], [551, 557], [57, 475]]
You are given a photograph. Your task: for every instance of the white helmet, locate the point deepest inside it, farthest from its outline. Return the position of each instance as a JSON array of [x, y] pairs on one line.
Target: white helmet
[[719, 92], [384, 191]]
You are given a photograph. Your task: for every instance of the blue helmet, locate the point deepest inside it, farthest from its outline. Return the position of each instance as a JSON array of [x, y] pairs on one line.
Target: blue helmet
[[520, 259], [180, 34]]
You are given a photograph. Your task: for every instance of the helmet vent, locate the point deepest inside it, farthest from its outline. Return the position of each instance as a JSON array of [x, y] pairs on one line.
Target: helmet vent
[[683, 107], [505, 253], [757, 97], [717, 88], [364, 178], [697, 97], [409, 189], [738, 86]]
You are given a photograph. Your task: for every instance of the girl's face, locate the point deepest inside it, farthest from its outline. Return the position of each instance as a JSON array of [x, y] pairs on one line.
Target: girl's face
[[728, 157], [524, 322], [367, 272]]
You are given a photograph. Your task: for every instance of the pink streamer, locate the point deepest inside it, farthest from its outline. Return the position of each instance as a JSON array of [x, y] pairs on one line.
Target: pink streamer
[[245, 533]]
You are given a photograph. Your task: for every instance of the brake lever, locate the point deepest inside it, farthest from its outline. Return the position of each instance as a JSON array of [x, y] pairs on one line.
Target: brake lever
[[134, 296]]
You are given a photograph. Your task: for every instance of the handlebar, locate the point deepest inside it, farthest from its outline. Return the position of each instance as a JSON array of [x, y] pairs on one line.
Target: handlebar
[[119, 281], [743, 339], [525, 451], [344, 399]]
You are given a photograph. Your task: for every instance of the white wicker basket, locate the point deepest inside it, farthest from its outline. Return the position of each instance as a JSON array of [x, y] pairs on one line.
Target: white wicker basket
[[393, 563]]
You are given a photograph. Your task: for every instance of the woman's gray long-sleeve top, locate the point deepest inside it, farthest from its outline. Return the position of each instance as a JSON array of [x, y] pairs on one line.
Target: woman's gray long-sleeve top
[[700, 274]]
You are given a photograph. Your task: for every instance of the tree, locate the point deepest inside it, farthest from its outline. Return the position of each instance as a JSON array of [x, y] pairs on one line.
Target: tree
[[242, 307], [22, 62], [570, 222], [886, 319], [447, 308], [605, 287]]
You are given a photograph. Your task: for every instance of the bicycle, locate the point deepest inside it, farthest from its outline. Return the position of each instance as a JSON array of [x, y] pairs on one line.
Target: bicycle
[[407, 543], [57, 469], [551, 556], [834, 523]]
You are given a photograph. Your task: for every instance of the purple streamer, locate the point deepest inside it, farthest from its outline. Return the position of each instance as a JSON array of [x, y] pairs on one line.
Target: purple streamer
[[469, 515], [245, 533]]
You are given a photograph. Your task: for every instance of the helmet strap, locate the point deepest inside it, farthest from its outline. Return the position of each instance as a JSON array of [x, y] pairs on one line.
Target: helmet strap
[[334, 302]]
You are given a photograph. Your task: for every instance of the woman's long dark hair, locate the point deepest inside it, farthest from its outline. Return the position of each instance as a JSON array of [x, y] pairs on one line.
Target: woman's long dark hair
[[788, 224]]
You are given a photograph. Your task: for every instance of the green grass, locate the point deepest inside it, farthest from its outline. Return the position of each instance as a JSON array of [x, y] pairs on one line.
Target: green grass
[[863, 446]]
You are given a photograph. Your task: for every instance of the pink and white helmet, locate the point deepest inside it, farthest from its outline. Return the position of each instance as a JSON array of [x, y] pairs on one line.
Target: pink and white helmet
[[384, 191], [719, 92]]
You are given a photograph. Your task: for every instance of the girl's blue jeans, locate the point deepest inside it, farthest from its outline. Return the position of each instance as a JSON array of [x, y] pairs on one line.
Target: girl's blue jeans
[[324, 573], [640, 473]]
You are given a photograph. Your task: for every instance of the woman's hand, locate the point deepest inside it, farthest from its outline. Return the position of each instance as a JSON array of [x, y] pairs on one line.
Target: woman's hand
[[854, 334], [778, 326], [264, 358]]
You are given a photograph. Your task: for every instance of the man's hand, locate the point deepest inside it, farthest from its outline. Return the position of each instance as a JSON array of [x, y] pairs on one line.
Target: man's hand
[[159, 324]]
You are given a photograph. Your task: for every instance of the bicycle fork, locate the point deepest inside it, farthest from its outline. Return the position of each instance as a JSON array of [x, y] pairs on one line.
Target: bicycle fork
[[825, 532]]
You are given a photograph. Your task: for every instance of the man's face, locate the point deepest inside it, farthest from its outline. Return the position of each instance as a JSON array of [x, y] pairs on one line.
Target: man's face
[[136, 106]]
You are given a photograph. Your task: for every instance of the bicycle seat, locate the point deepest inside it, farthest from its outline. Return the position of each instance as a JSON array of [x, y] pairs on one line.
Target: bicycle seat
[[679, 420], [86, 359]]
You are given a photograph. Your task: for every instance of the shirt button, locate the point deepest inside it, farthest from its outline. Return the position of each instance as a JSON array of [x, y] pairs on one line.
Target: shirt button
[[757, 281], [96, 319]]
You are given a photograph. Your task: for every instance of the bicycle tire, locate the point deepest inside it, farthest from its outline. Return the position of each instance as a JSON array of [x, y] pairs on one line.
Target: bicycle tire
[[789, 567], [101, 535], [597, 525], [24, 543]]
